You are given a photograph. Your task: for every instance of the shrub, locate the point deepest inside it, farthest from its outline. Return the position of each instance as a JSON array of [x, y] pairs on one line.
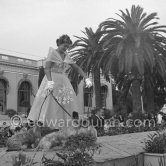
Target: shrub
[[10, 112], [78, 150], [107, 112], [156, 142], [20, 160], [5, 132], [138, 115]]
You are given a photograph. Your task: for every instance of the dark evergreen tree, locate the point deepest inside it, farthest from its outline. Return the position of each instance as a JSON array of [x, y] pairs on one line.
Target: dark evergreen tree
[[41, 75]]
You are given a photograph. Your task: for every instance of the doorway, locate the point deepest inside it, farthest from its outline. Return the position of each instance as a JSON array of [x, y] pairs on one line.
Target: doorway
[[24, 92], [3, 86]]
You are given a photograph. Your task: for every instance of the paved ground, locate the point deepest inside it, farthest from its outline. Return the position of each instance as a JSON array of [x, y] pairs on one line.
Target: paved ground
[[117, 150]]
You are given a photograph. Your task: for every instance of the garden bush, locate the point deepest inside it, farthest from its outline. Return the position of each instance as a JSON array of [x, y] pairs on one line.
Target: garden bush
[[107, 112], [78, 150], [10, 112], [156, 142]]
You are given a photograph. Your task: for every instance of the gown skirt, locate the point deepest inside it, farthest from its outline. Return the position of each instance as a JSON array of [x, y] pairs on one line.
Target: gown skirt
[[46, 110]]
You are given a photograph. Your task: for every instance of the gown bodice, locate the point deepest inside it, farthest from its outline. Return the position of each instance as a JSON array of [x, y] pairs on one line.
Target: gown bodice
[[59, 65]]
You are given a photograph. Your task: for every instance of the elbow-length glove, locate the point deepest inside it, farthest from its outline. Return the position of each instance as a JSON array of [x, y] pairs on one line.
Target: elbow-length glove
[[88, 82], [50, 86]]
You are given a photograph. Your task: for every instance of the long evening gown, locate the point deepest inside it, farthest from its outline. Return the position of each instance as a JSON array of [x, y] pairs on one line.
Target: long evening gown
[[45, 109]]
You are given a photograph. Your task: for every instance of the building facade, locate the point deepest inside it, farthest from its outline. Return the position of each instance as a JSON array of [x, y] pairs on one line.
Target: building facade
[[86, 96], [19, 84]]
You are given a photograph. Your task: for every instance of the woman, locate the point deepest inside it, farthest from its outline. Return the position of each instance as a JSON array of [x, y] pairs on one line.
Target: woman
[[56, 84]]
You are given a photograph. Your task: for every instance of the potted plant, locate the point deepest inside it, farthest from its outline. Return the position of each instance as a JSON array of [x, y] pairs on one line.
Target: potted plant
[[155, 149]]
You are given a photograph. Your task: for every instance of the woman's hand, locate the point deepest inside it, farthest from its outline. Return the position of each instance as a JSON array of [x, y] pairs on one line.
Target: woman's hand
[[88, 82], [50, 86], [81, 72]]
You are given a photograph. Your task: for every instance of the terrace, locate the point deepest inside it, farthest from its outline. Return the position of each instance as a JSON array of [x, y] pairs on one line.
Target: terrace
[[120, 150]]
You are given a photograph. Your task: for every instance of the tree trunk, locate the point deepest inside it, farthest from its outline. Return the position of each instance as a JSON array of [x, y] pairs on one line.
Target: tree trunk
[[41, 75], [150, 101], [97, 86], [136, 96], [149, 94]]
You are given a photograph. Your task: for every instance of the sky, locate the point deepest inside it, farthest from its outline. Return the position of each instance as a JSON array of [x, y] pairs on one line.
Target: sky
[[29, 27]]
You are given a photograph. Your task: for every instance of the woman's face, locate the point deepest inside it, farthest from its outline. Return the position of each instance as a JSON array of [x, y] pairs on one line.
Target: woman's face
[[64, 47]]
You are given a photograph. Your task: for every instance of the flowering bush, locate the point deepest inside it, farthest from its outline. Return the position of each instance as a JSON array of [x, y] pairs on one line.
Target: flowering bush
[[10, 112], [77, 151], [156, 142]]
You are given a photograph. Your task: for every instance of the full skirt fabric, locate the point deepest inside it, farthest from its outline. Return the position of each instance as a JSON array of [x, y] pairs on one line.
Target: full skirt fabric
[[46, 109]]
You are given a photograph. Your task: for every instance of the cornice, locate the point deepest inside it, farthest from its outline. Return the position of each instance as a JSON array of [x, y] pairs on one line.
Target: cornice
[[18, 65]]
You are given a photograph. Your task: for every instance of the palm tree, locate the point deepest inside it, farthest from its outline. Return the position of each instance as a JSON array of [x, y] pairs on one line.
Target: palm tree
[[87, 50], [137, 41], [159, 91]]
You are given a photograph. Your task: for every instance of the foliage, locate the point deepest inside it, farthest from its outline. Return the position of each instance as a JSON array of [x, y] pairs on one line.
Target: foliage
[[10, 112], [160, 91], [126, 130], [41, 75], [138, 115], [136, 40], [21, 160], [87, 51], [136, 122], [134, 50], [4, 131], [2, 140], [156, 142], [107, 112], [78, 150]]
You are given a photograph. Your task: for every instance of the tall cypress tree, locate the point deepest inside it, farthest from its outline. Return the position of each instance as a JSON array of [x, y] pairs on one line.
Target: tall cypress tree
[[41, 75]]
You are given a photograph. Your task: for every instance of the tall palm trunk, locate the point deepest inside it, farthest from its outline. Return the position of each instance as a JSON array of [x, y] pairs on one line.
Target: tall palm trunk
[[97, 85], [136, 96], [149, 91], [150, 100]]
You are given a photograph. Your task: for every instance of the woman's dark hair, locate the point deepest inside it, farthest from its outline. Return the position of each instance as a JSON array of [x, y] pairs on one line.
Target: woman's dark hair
[[63, 39]]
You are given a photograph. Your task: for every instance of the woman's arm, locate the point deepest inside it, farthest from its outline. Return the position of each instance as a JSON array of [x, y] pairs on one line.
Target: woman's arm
[[79, 70], [82, 73], [48, 70]]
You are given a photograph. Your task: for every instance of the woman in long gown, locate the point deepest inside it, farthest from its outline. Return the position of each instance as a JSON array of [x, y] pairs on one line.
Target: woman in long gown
[[56, 83]]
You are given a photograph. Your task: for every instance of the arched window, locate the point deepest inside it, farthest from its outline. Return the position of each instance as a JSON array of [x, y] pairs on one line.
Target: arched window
[[3, 92], [24, 92], [104, 90], [88, 94]]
